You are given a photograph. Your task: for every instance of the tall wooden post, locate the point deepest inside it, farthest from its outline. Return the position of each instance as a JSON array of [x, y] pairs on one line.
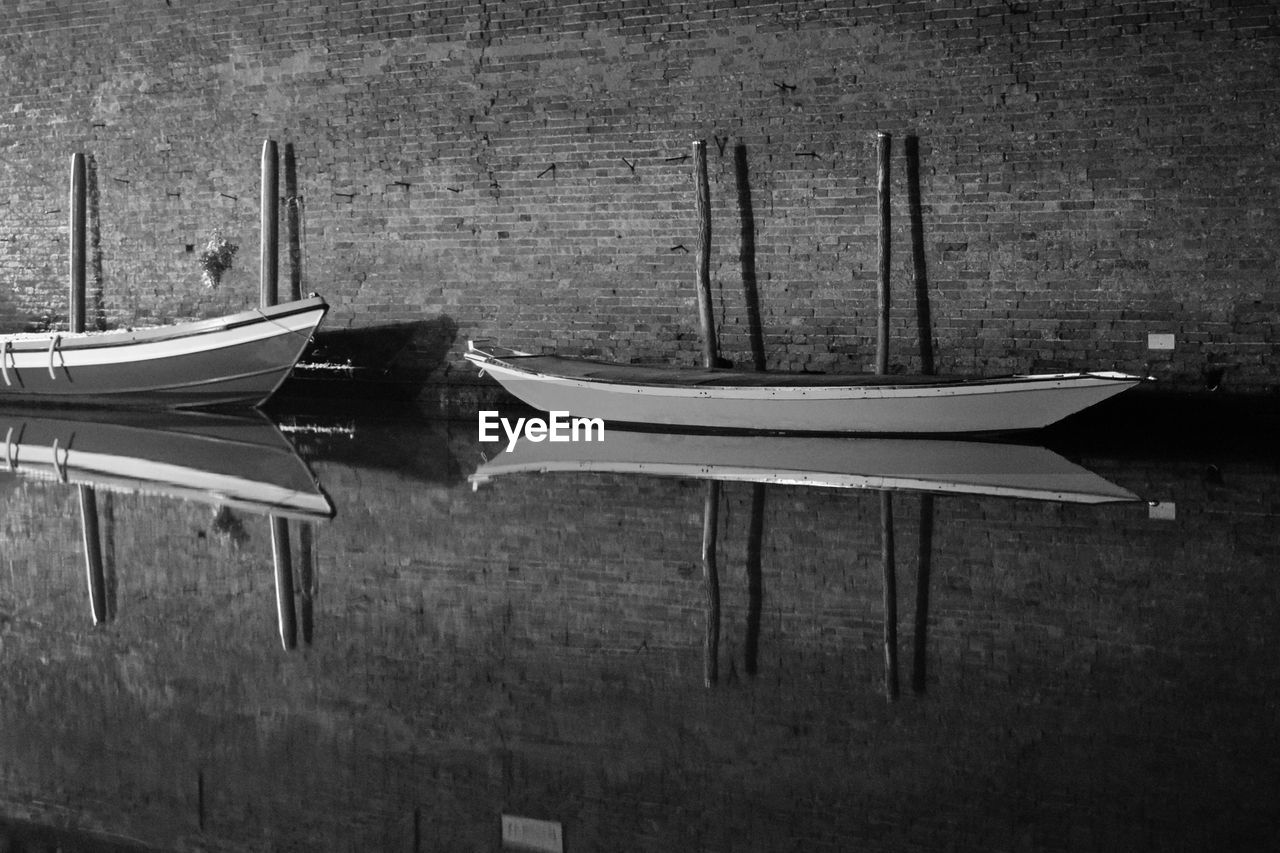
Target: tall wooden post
[[76, 317], [702, 204], [882, 193], [269, 260]]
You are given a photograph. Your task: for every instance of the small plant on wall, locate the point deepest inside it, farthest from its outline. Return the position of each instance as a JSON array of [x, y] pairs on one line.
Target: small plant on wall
[[216, 258]]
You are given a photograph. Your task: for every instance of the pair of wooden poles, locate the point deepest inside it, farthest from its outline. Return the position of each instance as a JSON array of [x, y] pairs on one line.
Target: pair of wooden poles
[[702, 205], [269, 254], [269, 264]]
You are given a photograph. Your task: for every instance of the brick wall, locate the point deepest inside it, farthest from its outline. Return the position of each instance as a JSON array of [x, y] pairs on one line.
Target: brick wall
[[1090, 172]]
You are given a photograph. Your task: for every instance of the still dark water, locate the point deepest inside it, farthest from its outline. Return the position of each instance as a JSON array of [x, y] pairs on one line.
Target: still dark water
[[463, 651]]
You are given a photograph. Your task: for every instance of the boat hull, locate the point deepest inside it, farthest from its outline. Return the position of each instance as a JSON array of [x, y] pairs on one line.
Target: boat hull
[[237, 360], [798, 403]]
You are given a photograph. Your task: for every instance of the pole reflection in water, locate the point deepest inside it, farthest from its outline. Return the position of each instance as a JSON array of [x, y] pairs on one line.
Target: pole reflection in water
[[240, 462], [883, 465], [287, 592], [889, 586], [307, 579], [282, 561], [924, 560], [93, 554], [755, 580], [711, 579]]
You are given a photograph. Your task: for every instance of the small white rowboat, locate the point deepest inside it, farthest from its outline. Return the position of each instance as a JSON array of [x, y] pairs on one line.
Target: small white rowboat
[[713, 398], [240, 359]]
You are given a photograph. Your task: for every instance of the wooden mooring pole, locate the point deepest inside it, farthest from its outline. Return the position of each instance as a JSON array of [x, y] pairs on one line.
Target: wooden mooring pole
[[269, 255], [702, 205], [882, 193], [75, 321]]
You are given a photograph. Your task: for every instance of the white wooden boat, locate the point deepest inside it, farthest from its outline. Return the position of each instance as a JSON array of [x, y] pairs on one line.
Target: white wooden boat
[[238, 461], [728, 399], [240, 359], [910, 464]]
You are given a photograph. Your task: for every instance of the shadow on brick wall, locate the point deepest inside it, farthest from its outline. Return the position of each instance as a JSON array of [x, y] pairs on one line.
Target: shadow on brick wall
[[391, 361]]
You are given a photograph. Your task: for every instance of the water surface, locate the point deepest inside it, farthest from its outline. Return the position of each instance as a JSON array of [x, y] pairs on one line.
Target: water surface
[[1041, 674]]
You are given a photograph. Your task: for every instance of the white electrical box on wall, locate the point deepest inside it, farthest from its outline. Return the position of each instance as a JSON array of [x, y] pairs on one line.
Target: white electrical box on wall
[[1159, 340]]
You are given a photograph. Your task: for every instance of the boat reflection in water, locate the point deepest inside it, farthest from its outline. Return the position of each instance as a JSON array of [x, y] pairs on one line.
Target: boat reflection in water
[[235, 462], [916, 464], [926, 466]]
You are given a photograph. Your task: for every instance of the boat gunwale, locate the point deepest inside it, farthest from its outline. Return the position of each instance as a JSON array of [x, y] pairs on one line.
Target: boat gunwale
[[114, 338], [809, 479], [700, 381]]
